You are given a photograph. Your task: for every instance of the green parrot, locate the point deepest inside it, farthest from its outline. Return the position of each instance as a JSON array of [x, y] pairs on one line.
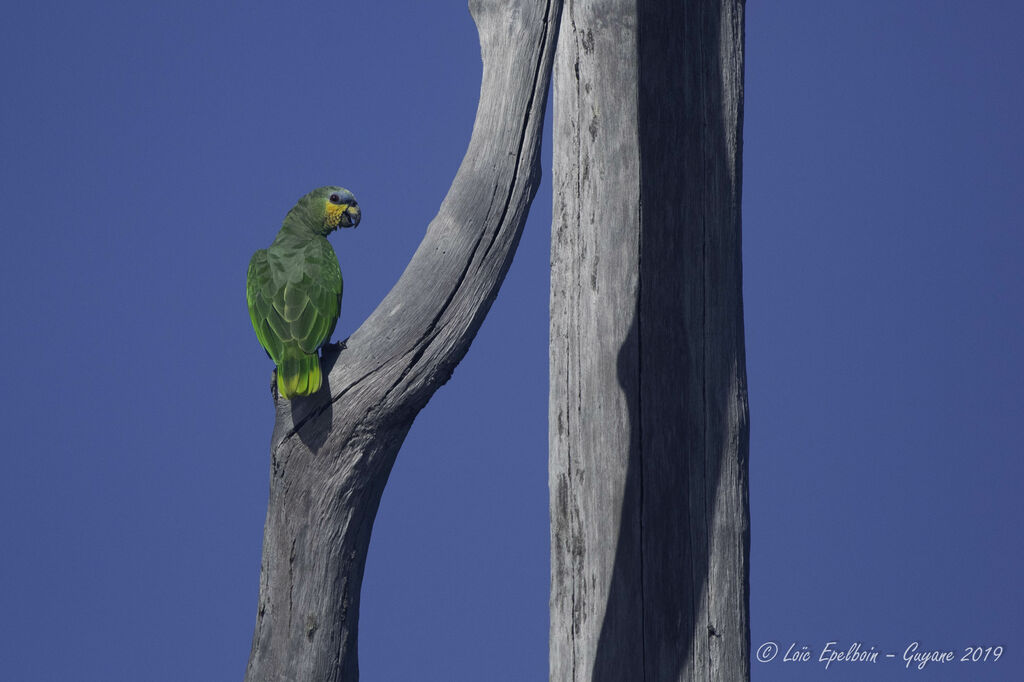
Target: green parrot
[[294, 288]]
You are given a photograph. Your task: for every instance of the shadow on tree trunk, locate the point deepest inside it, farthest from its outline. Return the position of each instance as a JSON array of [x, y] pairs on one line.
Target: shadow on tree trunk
[[681, 368]]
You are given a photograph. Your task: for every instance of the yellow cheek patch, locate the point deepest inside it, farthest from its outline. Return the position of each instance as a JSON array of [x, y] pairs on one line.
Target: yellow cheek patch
[[332, 216]]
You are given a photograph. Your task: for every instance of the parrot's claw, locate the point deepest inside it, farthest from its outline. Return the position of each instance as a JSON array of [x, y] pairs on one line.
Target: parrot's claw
[[339, 345], [273, 385]]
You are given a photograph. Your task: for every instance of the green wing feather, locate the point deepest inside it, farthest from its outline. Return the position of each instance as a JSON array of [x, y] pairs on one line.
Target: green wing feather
[[294, 298]]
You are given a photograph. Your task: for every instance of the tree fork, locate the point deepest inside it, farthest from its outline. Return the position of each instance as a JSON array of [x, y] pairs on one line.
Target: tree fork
[[331, 453]]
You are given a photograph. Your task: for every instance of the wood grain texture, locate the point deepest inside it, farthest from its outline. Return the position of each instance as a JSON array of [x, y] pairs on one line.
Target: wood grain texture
[[648, 409], [331, 453]]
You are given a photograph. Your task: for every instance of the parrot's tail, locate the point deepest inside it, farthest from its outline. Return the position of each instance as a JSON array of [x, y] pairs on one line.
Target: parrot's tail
[[298, 374]]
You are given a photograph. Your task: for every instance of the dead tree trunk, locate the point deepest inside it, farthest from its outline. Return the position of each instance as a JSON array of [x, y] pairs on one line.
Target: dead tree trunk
[[648, 407], [331, 453]]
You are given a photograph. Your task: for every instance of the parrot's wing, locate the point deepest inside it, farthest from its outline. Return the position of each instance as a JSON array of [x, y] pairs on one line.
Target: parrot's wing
[[322, 285], [259, 294], [334, 287], [294, 302]]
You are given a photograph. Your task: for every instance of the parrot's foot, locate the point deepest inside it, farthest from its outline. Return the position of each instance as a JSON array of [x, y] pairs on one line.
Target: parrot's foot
[[273, 385], [339, 345]]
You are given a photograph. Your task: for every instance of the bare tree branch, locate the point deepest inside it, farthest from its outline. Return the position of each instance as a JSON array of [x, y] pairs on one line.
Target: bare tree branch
[[331, 453]]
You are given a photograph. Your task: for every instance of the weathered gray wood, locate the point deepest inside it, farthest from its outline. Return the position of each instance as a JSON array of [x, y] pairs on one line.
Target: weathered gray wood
[[331, 453], [648, 411]]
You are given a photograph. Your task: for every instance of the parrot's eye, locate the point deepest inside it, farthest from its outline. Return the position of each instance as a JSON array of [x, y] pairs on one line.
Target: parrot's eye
[[335, 199]]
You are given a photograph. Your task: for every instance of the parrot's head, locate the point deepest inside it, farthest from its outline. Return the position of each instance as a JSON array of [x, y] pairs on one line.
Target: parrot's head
[[325, 209], [340, 208]]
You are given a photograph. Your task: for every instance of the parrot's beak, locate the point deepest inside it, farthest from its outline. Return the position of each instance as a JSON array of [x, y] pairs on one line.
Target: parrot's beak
[[351, 216]]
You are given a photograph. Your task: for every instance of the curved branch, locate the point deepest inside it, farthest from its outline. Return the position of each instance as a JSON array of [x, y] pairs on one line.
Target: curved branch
[[331, 454]]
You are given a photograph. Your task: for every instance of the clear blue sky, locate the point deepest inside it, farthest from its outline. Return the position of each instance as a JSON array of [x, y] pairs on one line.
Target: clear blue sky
[[147, 150]]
